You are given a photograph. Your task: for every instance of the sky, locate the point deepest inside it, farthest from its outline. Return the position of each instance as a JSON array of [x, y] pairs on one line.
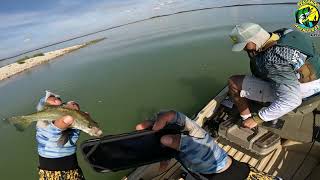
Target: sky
[[25, 25]]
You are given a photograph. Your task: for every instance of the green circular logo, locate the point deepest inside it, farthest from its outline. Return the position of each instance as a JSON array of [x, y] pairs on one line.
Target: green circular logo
[[307, 16]]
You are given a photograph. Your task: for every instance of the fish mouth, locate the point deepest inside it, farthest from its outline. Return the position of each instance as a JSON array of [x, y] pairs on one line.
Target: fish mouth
[[95, 131]]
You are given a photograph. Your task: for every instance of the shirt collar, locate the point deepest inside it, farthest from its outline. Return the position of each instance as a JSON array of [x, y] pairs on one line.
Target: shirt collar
[[270, 42]]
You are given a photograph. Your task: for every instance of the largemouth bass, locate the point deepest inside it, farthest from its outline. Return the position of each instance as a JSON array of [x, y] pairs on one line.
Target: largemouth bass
[[82, 120]]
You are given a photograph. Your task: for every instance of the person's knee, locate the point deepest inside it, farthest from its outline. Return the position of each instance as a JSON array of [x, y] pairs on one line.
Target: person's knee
[[235, 83], [296, 101]]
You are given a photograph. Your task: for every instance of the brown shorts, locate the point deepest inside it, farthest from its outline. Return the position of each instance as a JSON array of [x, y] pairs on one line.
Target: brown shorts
[[75, 174]]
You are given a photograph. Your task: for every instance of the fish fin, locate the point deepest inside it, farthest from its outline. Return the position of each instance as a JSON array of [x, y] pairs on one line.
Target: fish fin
[[20, 122], [64, 138]]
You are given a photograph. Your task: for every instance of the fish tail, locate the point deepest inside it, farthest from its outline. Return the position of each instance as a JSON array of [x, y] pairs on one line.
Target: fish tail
[[20, 122], [64, 138]]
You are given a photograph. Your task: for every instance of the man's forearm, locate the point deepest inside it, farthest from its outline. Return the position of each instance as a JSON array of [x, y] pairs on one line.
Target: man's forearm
[[288, 98]]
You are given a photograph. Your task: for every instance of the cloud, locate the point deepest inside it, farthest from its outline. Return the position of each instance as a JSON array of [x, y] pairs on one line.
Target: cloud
[[51, 21], [18, 19], [27, 40], [60, 23]]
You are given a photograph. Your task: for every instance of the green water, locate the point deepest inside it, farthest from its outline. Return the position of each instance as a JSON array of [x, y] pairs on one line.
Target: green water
[[176, 62]]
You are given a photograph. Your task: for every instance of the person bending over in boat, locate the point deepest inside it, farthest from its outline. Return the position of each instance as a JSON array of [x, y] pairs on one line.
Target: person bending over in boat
[[57, 162], [199, 152], [285, 69]]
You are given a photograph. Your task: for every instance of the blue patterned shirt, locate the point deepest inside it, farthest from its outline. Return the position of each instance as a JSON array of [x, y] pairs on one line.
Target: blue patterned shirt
[[48, 138]]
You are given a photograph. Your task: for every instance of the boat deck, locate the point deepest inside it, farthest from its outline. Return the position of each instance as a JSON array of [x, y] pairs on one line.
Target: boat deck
[[284, 161]]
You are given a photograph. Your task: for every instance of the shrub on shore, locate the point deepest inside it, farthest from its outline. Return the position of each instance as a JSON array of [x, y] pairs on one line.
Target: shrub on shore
[[22, 60], [95, 41], [38, 54]]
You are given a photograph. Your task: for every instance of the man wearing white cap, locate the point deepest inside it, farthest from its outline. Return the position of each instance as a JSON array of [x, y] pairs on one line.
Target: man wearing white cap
[[285, 69]]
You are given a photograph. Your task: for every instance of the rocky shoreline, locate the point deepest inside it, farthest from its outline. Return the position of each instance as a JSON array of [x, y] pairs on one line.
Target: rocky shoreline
[[20, 66], [25, 64]]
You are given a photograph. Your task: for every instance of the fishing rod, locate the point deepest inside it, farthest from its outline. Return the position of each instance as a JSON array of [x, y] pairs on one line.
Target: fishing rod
[[146, 19]]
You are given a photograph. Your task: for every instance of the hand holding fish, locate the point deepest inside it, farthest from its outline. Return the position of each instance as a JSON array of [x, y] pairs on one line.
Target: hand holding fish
[[64, 122], [55, 100], [63, 117]]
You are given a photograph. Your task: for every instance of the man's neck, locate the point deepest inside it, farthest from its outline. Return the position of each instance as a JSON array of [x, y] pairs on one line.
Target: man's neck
[[270, 42]]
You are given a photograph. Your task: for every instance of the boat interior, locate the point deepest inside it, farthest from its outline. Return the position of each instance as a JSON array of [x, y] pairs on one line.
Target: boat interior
[[287, 148]]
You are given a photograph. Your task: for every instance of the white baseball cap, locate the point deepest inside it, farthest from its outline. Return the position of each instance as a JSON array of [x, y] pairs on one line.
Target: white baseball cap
[[248, 32]]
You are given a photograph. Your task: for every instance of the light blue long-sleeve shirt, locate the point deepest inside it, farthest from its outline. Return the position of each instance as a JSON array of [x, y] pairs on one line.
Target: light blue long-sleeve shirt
[[48, 135]]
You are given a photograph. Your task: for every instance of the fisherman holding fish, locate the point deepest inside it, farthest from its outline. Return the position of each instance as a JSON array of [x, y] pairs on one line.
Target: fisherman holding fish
[[57, 161], [57, 131]]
